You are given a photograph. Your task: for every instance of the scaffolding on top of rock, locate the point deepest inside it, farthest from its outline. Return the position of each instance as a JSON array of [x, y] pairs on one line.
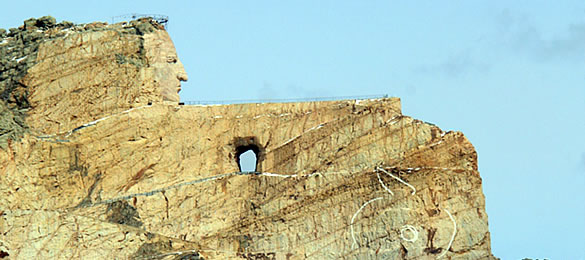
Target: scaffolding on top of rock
[[159, 18]]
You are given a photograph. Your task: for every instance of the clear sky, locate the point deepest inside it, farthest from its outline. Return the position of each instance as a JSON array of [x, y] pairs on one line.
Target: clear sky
[[509, 74]]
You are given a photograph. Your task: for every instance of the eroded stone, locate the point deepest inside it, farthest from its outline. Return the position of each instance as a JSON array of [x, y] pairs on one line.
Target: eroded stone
[[110, 166]]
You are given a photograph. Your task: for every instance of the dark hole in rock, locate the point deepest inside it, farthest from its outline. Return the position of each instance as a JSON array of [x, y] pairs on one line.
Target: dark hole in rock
[[248, 161], [123, 213], [248, 154]]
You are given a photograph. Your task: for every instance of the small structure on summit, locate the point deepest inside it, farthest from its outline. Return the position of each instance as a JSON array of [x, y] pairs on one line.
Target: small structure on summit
[[158, 18]]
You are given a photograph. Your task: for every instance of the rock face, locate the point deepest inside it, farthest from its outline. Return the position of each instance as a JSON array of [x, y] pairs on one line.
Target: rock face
[[57, 76], [107, 164]]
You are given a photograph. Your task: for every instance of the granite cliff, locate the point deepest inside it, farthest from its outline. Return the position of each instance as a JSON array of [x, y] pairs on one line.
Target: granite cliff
[[99, 160]]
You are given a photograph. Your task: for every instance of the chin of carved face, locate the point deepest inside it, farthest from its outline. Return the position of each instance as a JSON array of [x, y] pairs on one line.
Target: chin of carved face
[[170, 91]]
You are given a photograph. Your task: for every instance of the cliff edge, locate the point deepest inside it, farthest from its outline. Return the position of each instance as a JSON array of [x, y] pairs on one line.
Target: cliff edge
[[99, 160]]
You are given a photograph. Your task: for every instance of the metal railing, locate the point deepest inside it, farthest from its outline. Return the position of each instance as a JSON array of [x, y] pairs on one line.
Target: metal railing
[[290, 100], [159, 18]]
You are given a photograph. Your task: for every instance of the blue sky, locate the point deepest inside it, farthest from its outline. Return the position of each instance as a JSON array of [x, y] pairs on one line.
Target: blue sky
[[509, 74]]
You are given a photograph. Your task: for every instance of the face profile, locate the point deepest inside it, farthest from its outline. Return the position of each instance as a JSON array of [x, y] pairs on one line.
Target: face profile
[[167, 69]]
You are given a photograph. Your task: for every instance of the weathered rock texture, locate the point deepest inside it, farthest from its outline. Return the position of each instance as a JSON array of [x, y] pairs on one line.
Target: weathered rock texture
[[61, 75], [100, 173]]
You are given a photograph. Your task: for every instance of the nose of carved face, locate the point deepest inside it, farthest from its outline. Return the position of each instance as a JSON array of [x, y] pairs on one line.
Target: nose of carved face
[[182, 76]]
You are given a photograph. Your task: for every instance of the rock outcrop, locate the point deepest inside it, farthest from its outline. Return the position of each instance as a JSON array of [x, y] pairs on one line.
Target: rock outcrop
[[100, 161]]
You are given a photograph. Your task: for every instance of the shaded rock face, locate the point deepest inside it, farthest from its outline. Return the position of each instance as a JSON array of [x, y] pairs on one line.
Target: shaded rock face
[[100, 173], [18, 51], [55, 76]]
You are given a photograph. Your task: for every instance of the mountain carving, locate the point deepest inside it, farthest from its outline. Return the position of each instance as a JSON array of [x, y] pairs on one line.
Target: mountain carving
[[99, 160]]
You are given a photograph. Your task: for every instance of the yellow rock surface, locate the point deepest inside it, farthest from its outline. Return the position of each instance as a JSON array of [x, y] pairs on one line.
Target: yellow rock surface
[[103, 174]]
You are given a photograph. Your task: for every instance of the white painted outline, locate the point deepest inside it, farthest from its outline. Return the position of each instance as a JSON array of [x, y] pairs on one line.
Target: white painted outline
[[452, 236], [411, 229], [400, 180], [355, 215], [384, 186]]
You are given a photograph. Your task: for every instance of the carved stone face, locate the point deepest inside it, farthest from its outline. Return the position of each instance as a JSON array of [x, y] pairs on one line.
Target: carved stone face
[[162, 58]]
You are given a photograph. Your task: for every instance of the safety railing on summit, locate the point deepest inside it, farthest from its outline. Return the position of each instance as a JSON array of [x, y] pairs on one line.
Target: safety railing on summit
[[262, 101], [159, 18]]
